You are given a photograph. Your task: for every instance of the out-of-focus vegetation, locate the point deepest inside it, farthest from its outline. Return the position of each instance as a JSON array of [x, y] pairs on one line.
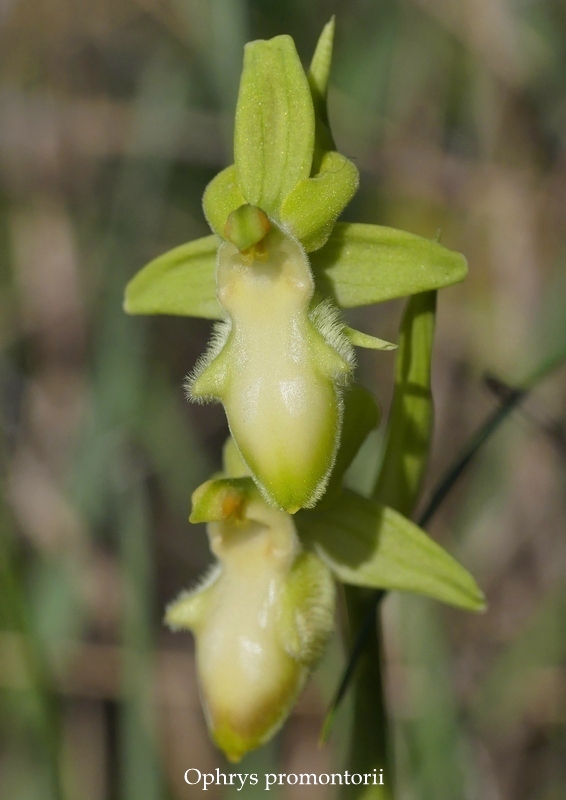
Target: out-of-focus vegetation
[[113, 117]]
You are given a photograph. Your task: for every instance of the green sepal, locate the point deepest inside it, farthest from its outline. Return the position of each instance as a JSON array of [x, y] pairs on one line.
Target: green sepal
[[367, 544], [180, 282], [411, 417], [361, 415], [274, 131], [363, 264], [311, 209], [221, 197], [220, 499], [360, 339]]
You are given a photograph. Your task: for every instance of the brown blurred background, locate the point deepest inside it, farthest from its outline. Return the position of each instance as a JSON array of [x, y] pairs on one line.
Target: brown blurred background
[[113, 117]]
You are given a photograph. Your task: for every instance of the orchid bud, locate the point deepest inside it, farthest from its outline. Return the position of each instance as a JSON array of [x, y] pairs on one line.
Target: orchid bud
[[260, 617]]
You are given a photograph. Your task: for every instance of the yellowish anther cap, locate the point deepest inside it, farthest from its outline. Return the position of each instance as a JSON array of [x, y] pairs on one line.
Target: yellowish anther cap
[[246, 227], [218, 500]]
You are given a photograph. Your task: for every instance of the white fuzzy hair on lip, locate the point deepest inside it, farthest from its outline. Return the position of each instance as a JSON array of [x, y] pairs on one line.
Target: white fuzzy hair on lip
[[220, 333]]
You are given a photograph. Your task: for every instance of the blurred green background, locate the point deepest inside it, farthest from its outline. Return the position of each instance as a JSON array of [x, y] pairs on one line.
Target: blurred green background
[[114, 115]]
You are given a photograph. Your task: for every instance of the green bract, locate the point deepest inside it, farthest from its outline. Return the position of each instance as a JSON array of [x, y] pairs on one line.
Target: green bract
[[411, 416], [367, 544]]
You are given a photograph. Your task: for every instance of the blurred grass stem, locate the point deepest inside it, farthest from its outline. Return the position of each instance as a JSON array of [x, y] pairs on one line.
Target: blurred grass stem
[[369, 740], [17, 616]]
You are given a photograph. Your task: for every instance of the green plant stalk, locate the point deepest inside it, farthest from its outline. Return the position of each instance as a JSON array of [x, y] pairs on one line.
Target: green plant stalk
[[406, 454], [369, 748], [363, 644]]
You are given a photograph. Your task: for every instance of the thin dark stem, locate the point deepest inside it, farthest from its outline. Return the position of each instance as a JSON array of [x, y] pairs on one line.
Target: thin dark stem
[[479, 438]]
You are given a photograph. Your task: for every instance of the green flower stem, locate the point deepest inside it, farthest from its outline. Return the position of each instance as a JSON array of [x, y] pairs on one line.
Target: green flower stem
[[369, 742]]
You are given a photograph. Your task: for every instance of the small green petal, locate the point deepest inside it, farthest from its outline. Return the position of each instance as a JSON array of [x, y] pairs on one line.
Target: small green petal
[[221, 197], [360, 339], [363, 264], [274, 133], [310, 211], [319, 70], [318, 76], [367, 544], [411, 418], [180, 282]]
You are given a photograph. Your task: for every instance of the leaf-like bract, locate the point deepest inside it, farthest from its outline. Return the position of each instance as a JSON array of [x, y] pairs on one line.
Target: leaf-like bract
[[368, 544], [411, 417]]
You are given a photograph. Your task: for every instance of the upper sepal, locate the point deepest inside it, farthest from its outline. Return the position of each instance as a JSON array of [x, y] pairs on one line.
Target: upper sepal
[[274, 131]]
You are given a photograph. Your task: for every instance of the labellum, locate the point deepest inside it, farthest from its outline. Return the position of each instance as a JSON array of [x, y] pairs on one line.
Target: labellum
[[260, 617]]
